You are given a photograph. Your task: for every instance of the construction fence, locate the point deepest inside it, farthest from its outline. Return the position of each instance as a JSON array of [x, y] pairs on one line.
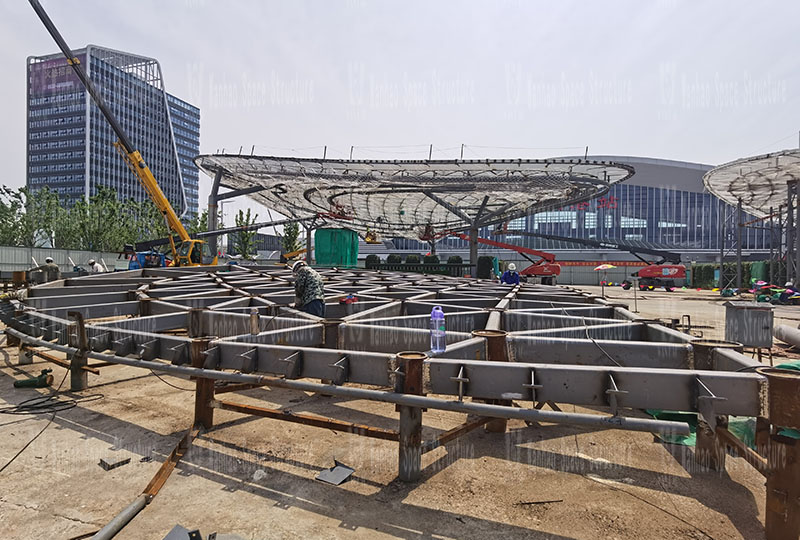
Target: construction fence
[[13, 259]]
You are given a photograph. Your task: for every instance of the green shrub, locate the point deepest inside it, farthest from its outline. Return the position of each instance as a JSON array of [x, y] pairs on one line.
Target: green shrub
[[372, 260], [412, 259], [485, 267], [455, 259], [393, 259], [431, 259]]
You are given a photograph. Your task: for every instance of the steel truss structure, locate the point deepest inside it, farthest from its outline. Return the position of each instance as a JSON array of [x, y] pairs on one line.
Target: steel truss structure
[[406, 198], [510, 351], [765, 186]]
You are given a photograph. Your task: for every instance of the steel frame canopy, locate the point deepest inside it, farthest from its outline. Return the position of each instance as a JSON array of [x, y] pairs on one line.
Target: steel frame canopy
[[406, 198], [759, 182]]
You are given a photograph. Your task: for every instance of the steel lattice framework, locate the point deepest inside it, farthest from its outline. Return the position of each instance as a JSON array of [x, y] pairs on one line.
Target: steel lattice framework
[[560, 345], [759, 182], [510, 352], [400, 197]]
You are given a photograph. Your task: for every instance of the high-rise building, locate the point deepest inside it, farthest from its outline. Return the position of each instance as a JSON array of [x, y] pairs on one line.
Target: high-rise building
[[70, 144]]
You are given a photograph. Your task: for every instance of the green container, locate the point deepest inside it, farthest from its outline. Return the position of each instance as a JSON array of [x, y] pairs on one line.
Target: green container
[[336, 247], [759, 271]]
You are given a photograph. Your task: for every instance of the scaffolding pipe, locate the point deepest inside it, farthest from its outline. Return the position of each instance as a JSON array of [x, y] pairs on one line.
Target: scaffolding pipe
[[121, 519], [480, 409], [796, 234], [787, 334]]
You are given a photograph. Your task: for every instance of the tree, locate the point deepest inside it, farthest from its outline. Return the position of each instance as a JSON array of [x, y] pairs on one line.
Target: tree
[[36, 226], [200, 222], [11, 209], [244, 242], [290, 241]]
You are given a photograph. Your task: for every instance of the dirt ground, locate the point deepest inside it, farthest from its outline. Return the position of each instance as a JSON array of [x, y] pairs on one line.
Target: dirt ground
[[255, 477]]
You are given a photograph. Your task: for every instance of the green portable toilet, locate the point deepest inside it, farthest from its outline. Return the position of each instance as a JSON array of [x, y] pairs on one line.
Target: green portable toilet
[[336, 247]]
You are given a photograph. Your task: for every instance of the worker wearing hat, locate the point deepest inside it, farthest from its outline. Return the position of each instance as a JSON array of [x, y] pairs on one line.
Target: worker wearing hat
[[309, 291], [94, 267], [510, 276], [50, 270]]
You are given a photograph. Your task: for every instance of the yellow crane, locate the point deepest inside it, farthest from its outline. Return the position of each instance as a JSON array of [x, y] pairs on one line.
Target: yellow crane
[[189, 251]]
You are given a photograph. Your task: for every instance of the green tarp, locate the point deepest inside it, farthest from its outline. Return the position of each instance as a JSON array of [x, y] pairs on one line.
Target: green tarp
[[743, 427], [336, 247]]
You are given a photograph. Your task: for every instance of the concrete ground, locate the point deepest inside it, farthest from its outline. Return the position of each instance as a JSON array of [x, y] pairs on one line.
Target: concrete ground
[[255, 477]]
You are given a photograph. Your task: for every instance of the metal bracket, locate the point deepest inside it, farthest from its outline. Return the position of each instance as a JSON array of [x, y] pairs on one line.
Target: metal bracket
[[341, 370], [63, 336], [50, 332], [212, 358], [100, 342], [123, 346], [461, 379], [249, 360], [396, 377], [294, 365], [148, 350], [705, 403], [612, 392], [533, 386], [179, 354]]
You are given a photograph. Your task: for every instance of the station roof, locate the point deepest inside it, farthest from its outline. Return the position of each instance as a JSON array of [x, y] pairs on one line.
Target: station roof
[[759, 182], [406, 198]]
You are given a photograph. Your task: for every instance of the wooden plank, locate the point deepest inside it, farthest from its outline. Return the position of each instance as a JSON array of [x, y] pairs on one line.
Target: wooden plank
[[454, 433], [309, 420]]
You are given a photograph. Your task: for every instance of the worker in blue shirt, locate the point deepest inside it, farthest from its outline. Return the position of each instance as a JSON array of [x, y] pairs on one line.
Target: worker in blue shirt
[[510, 276]]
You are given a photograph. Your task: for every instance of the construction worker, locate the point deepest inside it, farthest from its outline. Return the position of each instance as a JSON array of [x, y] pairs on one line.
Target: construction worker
[[94, 267], [309, 292], [50, 270], [510, 276]]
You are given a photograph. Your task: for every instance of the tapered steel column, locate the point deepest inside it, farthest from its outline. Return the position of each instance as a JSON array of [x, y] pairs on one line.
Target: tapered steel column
[[473, 252], [213, 224], [739, 227]]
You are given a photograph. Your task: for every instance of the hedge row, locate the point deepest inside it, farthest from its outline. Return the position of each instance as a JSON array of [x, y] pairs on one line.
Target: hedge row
[[412, 258], [703, 274]]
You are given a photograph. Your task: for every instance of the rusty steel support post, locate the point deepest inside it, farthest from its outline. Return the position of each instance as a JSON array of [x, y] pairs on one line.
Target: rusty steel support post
[[330, 338], [78, 377], [709, 450], [496, 351], [783, 480], [410, 458], [204, 388], [255, 326], [703, 352], [11, 340]]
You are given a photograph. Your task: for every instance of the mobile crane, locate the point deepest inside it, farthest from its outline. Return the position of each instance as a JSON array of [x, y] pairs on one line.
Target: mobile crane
[[656, 274], [545, 267], [189, 251]]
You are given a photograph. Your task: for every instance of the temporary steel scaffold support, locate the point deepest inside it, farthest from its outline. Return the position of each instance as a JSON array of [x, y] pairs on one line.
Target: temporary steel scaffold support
[[510, 350]]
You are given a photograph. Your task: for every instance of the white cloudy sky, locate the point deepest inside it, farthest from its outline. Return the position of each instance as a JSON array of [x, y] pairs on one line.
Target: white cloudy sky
[[703, 81]]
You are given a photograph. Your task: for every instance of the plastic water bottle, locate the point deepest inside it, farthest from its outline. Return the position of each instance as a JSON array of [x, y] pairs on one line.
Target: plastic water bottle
[[438, 337]]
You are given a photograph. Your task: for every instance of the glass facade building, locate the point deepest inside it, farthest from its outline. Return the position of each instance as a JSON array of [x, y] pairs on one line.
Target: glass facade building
[[663, 205], [70, 144]]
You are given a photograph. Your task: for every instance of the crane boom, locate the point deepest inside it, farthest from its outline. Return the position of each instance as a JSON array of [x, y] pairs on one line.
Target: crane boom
[[132, 157], [607, 244]]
